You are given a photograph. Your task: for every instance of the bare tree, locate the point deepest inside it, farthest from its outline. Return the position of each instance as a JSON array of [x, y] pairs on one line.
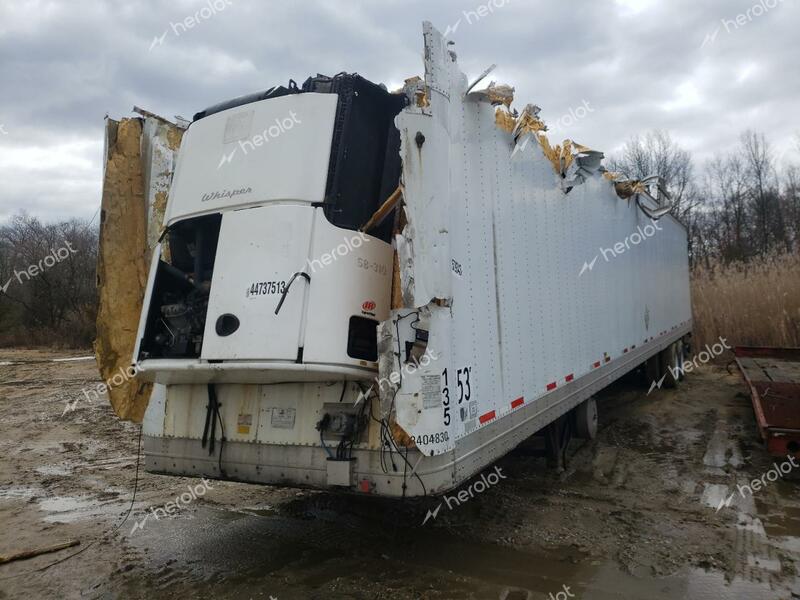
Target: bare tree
[[790, 206], [48, 274], [760, 168], [727, 190], [656, 153]]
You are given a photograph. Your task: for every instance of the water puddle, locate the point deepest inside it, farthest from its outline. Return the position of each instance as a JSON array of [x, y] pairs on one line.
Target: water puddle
[[70, 509], [56, 470], [722, 450], [716, 496], [313, 552], [20, 492]]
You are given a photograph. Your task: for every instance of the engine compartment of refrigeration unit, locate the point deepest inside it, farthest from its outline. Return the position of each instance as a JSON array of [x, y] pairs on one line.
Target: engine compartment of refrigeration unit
[[177, 315], [364, 169]]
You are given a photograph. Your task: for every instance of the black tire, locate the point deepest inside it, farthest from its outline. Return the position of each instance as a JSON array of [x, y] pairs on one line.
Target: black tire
[[652, 369], [681, 350], [586, 419]]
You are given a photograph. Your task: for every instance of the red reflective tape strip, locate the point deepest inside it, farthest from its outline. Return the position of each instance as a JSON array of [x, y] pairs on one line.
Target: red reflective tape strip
[[518, 402], [569, 377], [596, 365], [551, 386], [487, 417]]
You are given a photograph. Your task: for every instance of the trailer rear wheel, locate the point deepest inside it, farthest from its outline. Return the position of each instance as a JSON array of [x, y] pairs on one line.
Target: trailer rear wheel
[[652, 369], [669, 362], [586, 419], [681, 359]]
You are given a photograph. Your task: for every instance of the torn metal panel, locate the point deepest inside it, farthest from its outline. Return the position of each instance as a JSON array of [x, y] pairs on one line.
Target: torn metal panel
[[160, 143], [528, 121], [442, 74], [495, 94], [413, 347], [425, 150], [585, 163], [139, 161], [504, 120], [122, 266], [415, 90]]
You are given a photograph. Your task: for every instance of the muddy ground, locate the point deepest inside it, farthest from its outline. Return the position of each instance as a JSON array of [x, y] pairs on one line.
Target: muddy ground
[[633, 516]]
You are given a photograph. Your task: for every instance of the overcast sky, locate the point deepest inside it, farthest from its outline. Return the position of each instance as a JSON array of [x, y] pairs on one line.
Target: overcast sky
[[637, 64]]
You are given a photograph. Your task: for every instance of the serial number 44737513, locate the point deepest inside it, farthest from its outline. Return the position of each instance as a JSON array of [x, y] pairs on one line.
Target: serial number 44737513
[[265, 288]]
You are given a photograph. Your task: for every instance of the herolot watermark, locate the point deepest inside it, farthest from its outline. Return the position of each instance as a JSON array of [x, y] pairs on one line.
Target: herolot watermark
[[562, 123], [476, 487], [574, 115], [396, 377], [473, 16], [634, 239], [700, 358], [409, 368], [55, 257], [343, 249], [776, 472], [760, 8], [212, 8], [173, 507], [124, 375], [757, 10], [562, 595], [484, 10], [273, 131]]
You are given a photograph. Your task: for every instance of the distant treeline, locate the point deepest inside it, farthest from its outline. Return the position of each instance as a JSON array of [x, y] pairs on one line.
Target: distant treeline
[[47, 274], [742, 204]]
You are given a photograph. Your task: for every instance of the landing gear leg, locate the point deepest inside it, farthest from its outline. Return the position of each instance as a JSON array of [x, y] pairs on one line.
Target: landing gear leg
[[557, 436]]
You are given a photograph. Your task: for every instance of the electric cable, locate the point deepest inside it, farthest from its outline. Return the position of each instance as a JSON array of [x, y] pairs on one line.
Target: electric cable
[[327, 450], [221, 440]]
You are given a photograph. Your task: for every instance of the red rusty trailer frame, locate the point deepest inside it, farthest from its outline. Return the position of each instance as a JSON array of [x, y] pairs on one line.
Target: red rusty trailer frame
[[773, 375]]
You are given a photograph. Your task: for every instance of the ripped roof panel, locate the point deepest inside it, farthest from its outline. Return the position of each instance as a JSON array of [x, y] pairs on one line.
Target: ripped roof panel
[[499, 223]]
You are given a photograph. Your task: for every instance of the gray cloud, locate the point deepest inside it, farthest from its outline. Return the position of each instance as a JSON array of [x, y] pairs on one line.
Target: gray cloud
[[638, 63]]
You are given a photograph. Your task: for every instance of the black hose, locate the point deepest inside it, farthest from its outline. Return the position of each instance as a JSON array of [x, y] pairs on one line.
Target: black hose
[[199, 239]]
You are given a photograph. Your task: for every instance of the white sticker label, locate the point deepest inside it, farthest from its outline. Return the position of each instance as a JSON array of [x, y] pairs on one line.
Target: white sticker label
[[431, 391], [283, 418], [237, 126]]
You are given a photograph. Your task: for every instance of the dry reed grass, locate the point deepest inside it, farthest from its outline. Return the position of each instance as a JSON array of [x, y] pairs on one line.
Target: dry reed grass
[[751, 304]]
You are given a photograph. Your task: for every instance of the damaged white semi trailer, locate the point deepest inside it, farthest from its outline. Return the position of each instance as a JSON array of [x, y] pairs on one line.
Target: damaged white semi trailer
[[306, 331]]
